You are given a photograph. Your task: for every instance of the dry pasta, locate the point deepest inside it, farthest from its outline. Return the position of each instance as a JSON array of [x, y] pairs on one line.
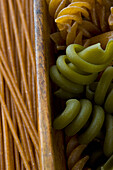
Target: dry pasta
[[79, 67], [100, 93], [19, 115], [74, 154], [84, 28], [76, 115], [79, 20]]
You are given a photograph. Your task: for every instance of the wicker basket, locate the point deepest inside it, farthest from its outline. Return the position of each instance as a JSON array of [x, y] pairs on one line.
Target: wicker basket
[[51, 142]]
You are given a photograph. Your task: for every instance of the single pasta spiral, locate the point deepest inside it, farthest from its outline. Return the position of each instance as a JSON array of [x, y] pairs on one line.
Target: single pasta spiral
[[74, 154], [73, 12], [79, 67], [91, 59], [103, 90]]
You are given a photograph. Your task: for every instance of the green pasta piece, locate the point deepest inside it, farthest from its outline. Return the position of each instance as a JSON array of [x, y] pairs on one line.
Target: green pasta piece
[[76, 69], [109, 103], [96, 55], [103, 85], [108, 142], [64, 83], [108, 165], [92, 54], [72, 75], [95, 126], [70, 112], [81, 119], [78, 60]]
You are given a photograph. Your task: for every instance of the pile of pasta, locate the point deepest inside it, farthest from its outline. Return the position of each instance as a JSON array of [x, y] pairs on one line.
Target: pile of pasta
[[19, 141], [79, 21], [83, 74]]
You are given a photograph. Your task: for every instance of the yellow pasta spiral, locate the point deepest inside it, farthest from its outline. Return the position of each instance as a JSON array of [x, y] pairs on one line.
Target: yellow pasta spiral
[[69, 19], [74, 154], [56, 6]]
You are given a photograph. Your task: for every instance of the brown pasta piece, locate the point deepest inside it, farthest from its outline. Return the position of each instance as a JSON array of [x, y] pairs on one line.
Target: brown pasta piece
[[74, 151], [17, 161], [110, 19], [80, 164], [101, 38], [5, 132], [2, 162]]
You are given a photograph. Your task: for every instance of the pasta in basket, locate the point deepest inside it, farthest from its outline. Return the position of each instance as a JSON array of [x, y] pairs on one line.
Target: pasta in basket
[[83, 74]]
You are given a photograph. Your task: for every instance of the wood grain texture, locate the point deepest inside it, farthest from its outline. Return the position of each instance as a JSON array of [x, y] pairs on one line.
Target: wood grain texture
[[51, 141]]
